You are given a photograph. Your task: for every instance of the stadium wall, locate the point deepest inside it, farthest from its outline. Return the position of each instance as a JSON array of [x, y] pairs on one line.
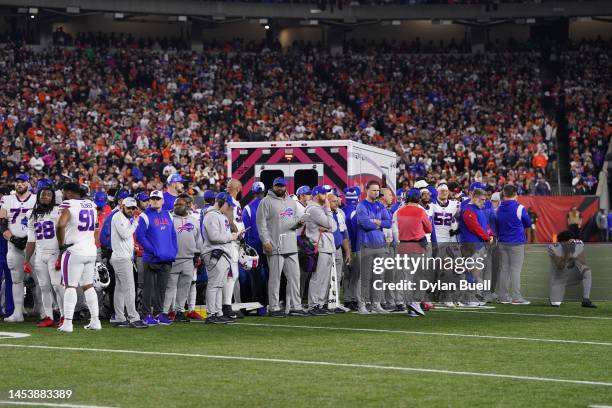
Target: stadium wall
[[579, 30], [408, 31], [105, 25]]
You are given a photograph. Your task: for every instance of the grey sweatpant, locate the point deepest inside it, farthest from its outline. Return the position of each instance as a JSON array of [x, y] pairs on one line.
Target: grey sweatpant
[[319, 282], [179, 284], [392, 297], [217, 270], [511, 264], [125, 291], [561, 278], [350, 279], [289, 265], [366, 265]]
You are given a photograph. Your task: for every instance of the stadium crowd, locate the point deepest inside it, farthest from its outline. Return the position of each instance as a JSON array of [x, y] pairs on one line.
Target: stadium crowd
[[131, 116]]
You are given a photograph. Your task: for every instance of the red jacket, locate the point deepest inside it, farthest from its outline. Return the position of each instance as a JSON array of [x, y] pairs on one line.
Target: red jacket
[[412, 225]]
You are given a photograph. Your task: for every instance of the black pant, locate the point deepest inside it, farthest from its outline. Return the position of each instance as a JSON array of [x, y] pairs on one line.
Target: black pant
[[259, 281], [155, 281]]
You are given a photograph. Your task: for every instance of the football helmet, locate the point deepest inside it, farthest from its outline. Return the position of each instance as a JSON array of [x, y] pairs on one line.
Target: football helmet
[[248, 257], [101, 276]]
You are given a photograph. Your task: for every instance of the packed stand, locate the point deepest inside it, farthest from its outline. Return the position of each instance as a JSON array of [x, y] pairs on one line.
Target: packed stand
[[587, 85]]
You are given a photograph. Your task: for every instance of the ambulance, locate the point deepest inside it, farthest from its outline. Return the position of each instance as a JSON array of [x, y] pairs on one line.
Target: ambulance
[[338, 163]]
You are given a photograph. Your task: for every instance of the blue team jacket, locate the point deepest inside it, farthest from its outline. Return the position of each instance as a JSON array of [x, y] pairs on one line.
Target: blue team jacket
[[157, 237], [249, 218], [466, 235], [512, 219], [368, 233], [351, 222]]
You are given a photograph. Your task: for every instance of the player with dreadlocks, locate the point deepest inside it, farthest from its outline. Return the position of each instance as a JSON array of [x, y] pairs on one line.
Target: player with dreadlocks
[[42, 221]]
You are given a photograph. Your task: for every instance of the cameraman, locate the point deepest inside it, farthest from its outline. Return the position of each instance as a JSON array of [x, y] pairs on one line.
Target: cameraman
[[568, 267]]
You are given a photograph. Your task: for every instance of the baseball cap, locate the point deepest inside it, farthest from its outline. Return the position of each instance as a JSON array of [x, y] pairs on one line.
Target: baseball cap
[[44, 182], [442, 186], [209, 195], [400, 192], [279, 181], [352, 195], [121, 194], [495, 196], [100, 198], [337, 192], [258, 187], [225, 196], [321, 190], [156, 194], [22, 177], [474, 186], [142, 196], [130, 202], [420, 184], [303, 190], [413, 192], [175, 178]]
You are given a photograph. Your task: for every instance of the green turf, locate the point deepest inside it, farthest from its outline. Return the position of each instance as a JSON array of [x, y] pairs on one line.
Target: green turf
[[129, 380]]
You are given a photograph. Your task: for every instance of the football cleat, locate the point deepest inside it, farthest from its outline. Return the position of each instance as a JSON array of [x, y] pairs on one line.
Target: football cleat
[[64, 328], [427, 306], [46, 322], [193, 315], [14, 318], [96, 326], [416, 308]]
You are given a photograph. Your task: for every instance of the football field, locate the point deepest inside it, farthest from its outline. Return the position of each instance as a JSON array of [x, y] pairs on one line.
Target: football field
[[509, 356]]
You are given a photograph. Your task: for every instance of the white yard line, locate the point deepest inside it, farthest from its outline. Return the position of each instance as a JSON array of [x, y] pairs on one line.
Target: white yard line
[[48, 404], [595, 343], [528, 314], [317, 363]]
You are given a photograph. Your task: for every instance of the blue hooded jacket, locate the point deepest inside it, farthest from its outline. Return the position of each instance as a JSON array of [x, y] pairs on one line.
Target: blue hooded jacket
[[351, 224], [249, 218], [156, 234], [368, 233], [512, 220]]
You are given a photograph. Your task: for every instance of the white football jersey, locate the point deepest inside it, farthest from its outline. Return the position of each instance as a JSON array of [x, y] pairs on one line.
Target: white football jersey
[[17, 211], [445, 220], [81, 227], [430, 212], [42, 231], [239, 223]]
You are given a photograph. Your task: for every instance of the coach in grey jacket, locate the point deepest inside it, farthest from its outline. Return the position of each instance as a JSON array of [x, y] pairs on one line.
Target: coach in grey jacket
[[276, 222], [320, 227], [217, 252], [188, 256]]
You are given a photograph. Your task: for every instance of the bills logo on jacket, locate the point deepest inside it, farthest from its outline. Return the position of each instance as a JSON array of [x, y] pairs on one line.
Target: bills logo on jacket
[[185, 228], [287, 213]]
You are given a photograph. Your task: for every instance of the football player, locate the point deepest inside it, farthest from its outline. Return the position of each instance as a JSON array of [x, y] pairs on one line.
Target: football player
[[76, 236], [42, 221], [14, 228]]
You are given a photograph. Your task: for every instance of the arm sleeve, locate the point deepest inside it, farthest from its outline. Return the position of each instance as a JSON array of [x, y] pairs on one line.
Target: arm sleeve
[[216, 231], [322, 218], [426, 223], [471, 222], [385, 221], [123, 226], [246, 217], [394, 228], [31, 230], [262, 219], [526, 219], [363, 218], [141, 235]]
